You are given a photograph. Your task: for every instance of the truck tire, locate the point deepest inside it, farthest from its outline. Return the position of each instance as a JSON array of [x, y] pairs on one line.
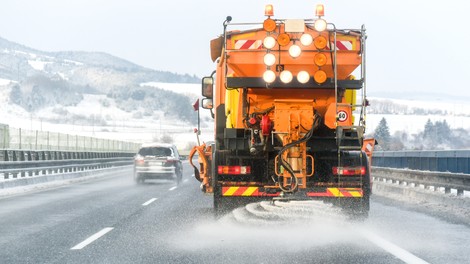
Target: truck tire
[[218, 203], [360, 207]]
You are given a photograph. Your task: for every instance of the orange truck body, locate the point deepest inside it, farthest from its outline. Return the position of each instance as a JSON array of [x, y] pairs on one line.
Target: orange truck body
[[291, 137]]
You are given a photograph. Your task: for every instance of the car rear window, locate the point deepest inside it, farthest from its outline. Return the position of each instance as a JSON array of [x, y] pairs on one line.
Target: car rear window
[[155, 151]]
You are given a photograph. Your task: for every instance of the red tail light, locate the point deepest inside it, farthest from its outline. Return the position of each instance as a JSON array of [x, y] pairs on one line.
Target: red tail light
[[349, 171], [238, 170], [139, 161]]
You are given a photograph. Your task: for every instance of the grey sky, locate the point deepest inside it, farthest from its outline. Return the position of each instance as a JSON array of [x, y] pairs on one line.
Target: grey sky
[[417, 46]]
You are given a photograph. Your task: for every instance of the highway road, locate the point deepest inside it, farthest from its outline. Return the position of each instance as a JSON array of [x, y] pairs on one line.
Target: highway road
[[113, 220]]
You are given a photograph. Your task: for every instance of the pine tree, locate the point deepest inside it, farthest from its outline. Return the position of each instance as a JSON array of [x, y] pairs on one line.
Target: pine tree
[[382, 134], [428, 129]]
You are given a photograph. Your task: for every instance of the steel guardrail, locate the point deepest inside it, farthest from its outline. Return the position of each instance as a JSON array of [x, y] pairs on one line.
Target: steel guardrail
[[415, 178], [29, 163], [17, 169]]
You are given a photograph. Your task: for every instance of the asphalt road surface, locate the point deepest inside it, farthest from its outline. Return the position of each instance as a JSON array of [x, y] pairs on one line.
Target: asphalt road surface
[[114, 220]]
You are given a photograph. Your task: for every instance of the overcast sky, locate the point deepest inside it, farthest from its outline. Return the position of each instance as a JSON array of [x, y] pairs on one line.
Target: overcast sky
[[413, 45]]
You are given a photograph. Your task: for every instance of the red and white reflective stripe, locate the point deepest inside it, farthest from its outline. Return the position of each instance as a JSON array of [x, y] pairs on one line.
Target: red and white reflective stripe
[[244, 44], [344, 45]]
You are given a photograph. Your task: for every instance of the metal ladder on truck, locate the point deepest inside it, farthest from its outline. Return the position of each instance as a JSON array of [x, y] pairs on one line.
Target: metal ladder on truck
[[350, 138]]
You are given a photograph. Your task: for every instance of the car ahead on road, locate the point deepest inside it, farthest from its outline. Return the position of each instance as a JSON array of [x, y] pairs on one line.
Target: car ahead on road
[[158, 161]]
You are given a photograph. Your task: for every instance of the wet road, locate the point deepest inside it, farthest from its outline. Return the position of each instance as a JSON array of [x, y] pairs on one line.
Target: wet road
[[113, 220]]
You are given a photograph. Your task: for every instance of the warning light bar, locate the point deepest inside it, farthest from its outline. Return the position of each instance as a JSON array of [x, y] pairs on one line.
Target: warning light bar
[[349, 171], [237, 170]]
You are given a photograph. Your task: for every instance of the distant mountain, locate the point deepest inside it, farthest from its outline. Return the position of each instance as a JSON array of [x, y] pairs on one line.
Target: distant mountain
[[37, 79], [98, 70]]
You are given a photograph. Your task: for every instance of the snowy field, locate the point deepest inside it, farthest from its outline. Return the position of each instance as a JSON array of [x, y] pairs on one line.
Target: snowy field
[[458, 115]]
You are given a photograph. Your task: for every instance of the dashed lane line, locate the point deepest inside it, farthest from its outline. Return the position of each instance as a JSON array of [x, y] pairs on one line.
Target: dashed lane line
[[149, 201], [393, 249], [92, 238], [172, 188]]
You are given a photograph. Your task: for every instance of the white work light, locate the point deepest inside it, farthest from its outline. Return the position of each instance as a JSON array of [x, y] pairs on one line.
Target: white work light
[[286, 76], [320, 25], [303, 77], [269, 42], [306, 39], [269, 76], [269, 59], [295, 51]]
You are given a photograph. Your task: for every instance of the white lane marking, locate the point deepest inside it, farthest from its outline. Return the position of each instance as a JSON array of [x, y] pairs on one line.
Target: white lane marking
[[185, 180], [94, 237], [149, 201], [393, 249], [172, 188]]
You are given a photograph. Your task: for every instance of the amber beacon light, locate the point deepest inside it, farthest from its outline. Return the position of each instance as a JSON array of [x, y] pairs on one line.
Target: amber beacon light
[[269, 10]]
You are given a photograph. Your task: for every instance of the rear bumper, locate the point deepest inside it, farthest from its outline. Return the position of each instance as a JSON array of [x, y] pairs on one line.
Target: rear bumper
[[156, 172], [252, 191]]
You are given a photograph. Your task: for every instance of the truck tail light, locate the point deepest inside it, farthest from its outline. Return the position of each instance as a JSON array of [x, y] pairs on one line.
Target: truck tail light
[[349, 171], [238, 170]]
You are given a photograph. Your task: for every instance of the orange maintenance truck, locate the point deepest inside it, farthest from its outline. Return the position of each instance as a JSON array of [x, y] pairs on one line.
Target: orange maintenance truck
[[289, 114]]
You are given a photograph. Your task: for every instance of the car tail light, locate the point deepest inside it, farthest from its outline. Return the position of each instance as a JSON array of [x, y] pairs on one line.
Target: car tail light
[[171, 160], [139, 161], [238, 170], [349, 171]]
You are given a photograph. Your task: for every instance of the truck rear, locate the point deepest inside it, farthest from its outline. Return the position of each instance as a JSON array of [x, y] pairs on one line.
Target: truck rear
[[289, 115]]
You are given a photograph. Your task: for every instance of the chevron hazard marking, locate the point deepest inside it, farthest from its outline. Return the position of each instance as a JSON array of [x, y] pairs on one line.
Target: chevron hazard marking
[[240, 191], [248, 44]]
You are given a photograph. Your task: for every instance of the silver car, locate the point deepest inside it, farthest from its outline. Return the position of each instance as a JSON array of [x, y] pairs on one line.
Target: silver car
[[157, 161]]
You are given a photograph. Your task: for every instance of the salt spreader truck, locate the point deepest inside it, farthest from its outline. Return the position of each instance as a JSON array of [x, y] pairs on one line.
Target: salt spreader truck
[[289, 114]]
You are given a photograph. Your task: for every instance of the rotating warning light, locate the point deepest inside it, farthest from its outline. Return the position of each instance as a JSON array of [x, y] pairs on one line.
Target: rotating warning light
[[295, 51], [306, 39], [268, 10], [320, 59], [320, 10], [303, 77], [269, 42], [269, 76], [269, 59], [286, 76], [320, 76], [320, 25]]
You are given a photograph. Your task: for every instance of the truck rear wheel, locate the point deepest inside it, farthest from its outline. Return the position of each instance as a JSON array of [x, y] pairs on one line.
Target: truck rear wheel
[[361, 207], [219, 207], [218, 203]]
